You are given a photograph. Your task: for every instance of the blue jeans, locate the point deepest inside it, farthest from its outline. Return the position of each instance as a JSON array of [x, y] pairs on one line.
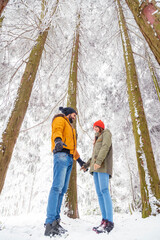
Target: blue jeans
[[101, 181], [61, 174]]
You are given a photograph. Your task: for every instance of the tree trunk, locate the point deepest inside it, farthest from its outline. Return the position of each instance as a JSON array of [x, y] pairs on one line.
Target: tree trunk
[[148, 19], [71, 197], [12, 129], [1, 20], [3, 4], [149, 180], [153, 74], [11, 132]]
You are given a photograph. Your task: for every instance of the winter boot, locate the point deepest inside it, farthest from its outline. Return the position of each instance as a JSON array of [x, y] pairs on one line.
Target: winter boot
[[95, 228], [106, 227], [60, 228], [51, 229]]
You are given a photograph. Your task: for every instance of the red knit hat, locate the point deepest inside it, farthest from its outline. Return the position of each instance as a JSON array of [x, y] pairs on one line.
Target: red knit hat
[[99, 123]]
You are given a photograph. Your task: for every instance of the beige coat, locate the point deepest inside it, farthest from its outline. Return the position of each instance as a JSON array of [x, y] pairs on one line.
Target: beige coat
[[102, 154]]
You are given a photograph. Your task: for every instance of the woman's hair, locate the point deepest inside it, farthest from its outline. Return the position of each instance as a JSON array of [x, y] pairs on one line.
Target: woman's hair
[[100, 131]]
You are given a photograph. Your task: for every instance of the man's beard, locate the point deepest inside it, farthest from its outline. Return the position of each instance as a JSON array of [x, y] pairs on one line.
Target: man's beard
[[70, 120]]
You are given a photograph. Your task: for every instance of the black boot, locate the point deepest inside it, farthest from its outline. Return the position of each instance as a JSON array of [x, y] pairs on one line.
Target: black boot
[[109, 226], [61, 229], [52, 229]]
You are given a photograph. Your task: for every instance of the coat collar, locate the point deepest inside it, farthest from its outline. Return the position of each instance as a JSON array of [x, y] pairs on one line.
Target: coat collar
[[97, 134], [62, 115]]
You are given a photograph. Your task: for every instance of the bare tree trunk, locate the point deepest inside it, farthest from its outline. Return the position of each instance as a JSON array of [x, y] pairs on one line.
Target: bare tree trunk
[[153, 74], [148, 19], [15, 120], [71, 197], [3, 4], [149, 180], [11, 132], [1, 20]]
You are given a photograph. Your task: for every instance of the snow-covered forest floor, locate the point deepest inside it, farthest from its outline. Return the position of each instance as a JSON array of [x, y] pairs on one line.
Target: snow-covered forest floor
[[127, 227]]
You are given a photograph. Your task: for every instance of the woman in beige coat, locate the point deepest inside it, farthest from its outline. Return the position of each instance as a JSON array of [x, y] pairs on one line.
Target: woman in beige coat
[[101, 168]]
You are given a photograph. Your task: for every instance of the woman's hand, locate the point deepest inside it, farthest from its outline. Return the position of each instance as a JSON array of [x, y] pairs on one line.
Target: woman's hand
[[96, 166], [84, 169]]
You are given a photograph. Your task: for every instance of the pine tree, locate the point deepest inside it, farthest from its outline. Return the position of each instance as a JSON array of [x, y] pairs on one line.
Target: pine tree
[[15, 120], [147, 16], [71, 197], [149, 180]]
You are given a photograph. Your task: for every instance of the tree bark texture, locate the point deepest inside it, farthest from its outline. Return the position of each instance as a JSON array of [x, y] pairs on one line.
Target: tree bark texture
[[154, 75], [149, 180], [147, 16], [71, 196]]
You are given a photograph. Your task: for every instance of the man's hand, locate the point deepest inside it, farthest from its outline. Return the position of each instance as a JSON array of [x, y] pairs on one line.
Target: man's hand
[[96, 166], [84, 167], [81, 163], [59, 144]]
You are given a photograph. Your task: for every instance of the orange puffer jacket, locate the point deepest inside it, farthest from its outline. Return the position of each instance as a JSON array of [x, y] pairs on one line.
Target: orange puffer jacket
[[62, 128]]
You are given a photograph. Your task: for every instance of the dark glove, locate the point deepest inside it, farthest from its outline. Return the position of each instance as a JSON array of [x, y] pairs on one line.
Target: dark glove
[[58, 145], [81, 163], [79, 160]]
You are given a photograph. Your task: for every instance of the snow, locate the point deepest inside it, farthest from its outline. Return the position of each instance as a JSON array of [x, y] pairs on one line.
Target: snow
[[127, 227]]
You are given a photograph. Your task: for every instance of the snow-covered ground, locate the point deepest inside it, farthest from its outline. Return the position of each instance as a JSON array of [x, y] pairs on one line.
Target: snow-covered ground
[[127, 227]]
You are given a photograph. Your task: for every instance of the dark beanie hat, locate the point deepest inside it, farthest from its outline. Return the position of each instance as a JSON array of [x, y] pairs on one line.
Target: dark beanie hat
[[67, 110]]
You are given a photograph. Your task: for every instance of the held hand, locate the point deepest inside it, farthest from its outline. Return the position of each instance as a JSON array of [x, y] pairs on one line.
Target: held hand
[[84, 169], [81, 163], [96, 166]]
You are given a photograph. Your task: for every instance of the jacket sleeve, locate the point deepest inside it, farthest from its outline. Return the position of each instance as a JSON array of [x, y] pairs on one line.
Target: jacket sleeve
[[57, 128], [76, 155], [106, 143]]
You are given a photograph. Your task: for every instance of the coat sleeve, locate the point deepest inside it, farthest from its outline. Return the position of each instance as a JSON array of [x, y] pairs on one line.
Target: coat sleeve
[[106, 143], [57, 128], [76, 155]]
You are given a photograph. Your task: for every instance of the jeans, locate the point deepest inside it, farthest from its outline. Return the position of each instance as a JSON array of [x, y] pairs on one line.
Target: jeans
[[61, 174], [101, 181]]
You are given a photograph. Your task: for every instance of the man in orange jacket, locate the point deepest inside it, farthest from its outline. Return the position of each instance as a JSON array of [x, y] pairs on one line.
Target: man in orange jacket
[[64, 144]]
